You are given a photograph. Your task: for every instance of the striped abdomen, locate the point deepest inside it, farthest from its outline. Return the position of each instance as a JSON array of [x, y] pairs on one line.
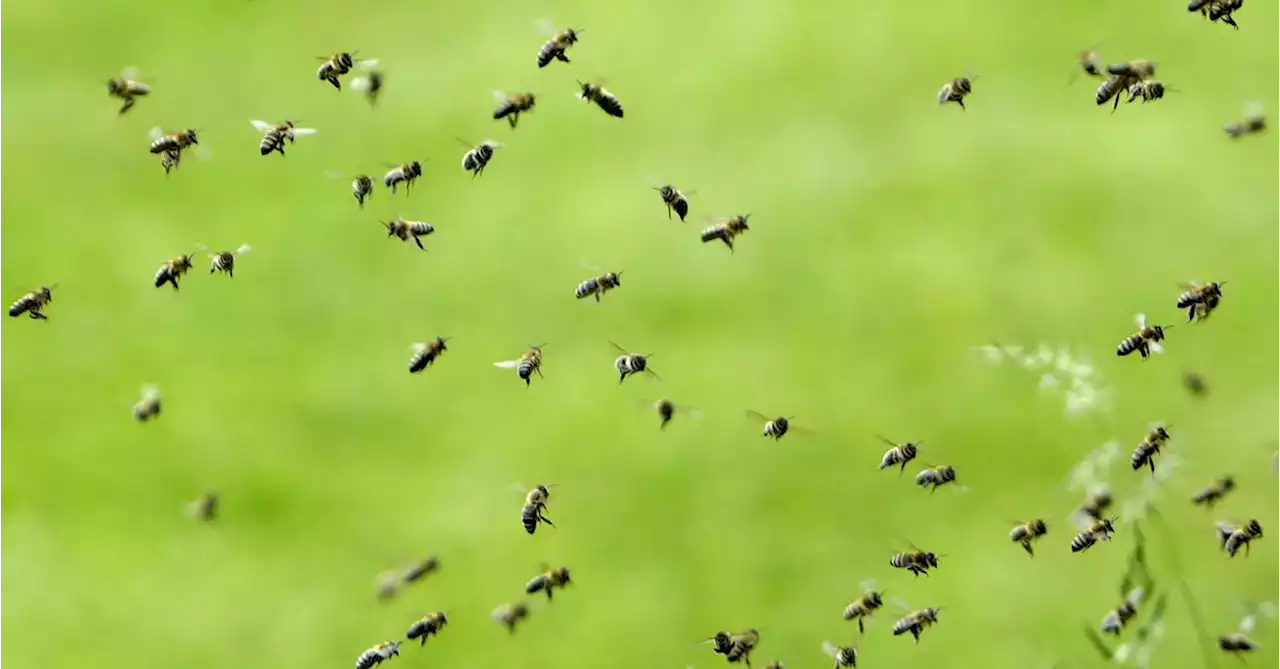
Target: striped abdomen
[[421, 359], [1144, 455], [776, 428], [629, 364], [272, 141], [898, 455], [362, 187], [1133, 343], [328, 72], [1083, 541], [223, 262], [531, 515], [168, 274], [27, 303], [552, 50], [587, 289], [676, 201], [477, 158]]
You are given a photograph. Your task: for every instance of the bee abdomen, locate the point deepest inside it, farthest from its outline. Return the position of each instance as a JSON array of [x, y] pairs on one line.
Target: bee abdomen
[[548, 53], [538, 583], [586, 288], [713, 233], [19, 307], [610, 105], [1083, 541], [1129, 345], [505, 109]]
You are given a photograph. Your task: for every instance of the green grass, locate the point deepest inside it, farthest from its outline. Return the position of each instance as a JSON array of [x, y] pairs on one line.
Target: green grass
[[887, 237]]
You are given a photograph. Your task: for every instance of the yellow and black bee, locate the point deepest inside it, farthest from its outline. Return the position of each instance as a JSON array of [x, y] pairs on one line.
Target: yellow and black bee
[[1118, 618], [1195, 384], [863, 607], [776, 428], [555, 48], [425, 353], [1254, 122], [225, 261], [955, 91], [631, 363], [127, 88], [528, 363], [338, 65], [736, 647], [726, 230], [371, 85], [601, 97], [898, 454], [1099, 530], [1096, 504], [1027, 533], [597, 286], [674, 199], [1215, 492], [170, 160], [205, 508], [1233, 537], [666, 410], [535, 502], [844, 656], [406, 230], [1145, 341], [548, 581], [277, 134], [936, 477], [33, 303], [149, 406], [510, 615], [916, 622], [376, 655], [361, 188], [1145, 454], [475, 159], [1089, 62], [176, 141], [511, 106], [1148, 91], [916, 561], [421, 569], [1200, 299], [1238, 642], [172, 270], [429, 625], [1223, 9], [402, 174]]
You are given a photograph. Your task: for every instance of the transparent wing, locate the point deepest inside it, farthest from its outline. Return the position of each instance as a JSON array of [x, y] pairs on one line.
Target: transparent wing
[[869, 584], [1247, 624], [244, 248], [150, 392], [303, 132], [1140, 320], [500, 95], [507, 364], [830, 648], [1155, 348], [361, 83], [155, 133], [621, 350], [130, 73], [261, 126], [1253, 109], [757, 414], [545, 26], [367, 63], [330, 174]]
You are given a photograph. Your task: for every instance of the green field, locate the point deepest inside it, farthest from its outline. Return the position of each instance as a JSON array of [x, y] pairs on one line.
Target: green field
[[888, 236]]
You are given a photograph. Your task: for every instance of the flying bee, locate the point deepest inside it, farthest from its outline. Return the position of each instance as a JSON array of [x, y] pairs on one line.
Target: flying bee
[[425, 353], [205, 508], [420, 570], [176, 141], [1237, 641], [1200, 299], [475, 159], [371, 85], [388, 585], [376, 655], [861, 608], [674, 199], [936, 477], [33, 303], [555, 48], [916, 622], [1098, 530], [631, 363], [597, 286], [736, 647], [1027, 533], [1096, 504], [601, 97], [1233, 537], [1254, 122], [898, 454], [149, 406], [225, 261], [1215, 492], [1147, 450], [510, 615], [127, 88], [1089, 62], [405, 230], [1223, 9], [528, 363], [1119, 617], [726, 230], [776, 428], [511, 106], [277, 134], [338, 65], [1145, 341], [1148, 91], [955, 91], [548, 581], [429, 625], [844, 656], [915, 561], [666, 410], [402, 174], [172, 270], [535, 502]]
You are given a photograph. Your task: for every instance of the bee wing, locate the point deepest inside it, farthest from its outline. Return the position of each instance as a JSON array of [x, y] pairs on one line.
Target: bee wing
[[150, 392], [244, 248], [1140, 320], [621, 350], [302, 132], [589, 266], [361, 83], [546, 27], [130, 73], [799, 429], [900, 604], [1247, 624], [758, 415], [1155, 347], [331, 174], [155, 133], [869, 584], [1253, 110], [830, 648], [507, 364], [1098, 644], [261, 126], [500, 95], [367, 63]]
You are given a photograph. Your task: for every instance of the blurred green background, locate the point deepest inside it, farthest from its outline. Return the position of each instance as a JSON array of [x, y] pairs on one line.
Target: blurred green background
[[888, 236]]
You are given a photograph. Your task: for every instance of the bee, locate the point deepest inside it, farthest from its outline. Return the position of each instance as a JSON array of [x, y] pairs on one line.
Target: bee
[[421, 569], [1148, 91], [955, 91], [1254, 122], [844, 656], [511, 106], [429, 625], [597, 286], [172, 270], [409, 229], [402, 174], [775, 427], [1118, 618], [1215, 492], [1089, 62], [674, 199], [1200, 299], [1096, 504], [339, 64], [225, 261], [739, 646], [33, 303], [425, 353], [726, 230], [915, 561], [176, 141], [1027, 533], [774, 665], [475, 159], [898, 454], [1145, 341], [375, 656], [1195, 384], [170, 159], [666, 410], [127, 88], [631, 363], [936, 477], [548, 581], [277, 134], [1147, 450], [528, 363], [1223, 9], [1098, 530], [554, 49], [509, 615], [371, 85], [149, 406], [915, 622], [601, 97], [1233, 537], [862, 607], [205, 508], [1237, 641], [535, 502]]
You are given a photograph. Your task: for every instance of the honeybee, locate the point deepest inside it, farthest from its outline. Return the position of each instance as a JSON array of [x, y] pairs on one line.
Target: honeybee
[[1145, 341], [548, 581], [1027, 533], [277, 134], [1148, 90], [844, 656], [955, 91], [916, 622], [776, 427], [1144, 638], [405, 230], [862, 607], [371, 85], [936, 477], [674, 199], [425, 353], [631, 363], [554, 49], [127, 88], [1089, 62], [528, 363], [601, 97], [915, 561], [898, 454], [1215, 492], [225, 261], [1237, 641], [597, 286], [535, 502], [33, 303], [475, 159], [1147, 450], [205, 508], [420, 570], [726, 230], [402, 174], [149, 406], [511, 106], [176, 141], [170, 160], [1223, 9], [1233, 537], [1119, 617], [339, 64], [736, 647], [172, 270], [429, 625], [510, 615], [1098, 530], [774, 665], [1254, 122], [1096, 504], [666, 410], [1200, 299], [376, 655]]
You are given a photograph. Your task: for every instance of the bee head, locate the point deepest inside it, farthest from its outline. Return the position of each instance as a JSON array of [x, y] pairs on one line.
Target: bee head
[[948, 473], [742, 221], [440, 343], [570, 36], [1039, 526], [931, 559], [543, 489], [964, 85], [1228, 483], [614, 277], [113, 86], [1254, 528], [390, 226], [587, 89], [1215, 288], [47, 292], [415, 168], [563, 574], [441, 618], [874, 599], [1158, 332], [191, 136]]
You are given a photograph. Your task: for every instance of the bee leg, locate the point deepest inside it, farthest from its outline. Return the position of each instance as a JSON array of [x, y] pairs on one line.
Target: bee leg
[[511, 120], [915, 634], [668, 212], [128, 104], [419, 243], [549, 589], [597, 297], [36, 315], [1230, 21], [860, 630], [1151, 462], [1026, 546], [564, 59], [336, 84], [1116, 105], [961, 103], [546, 520]]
